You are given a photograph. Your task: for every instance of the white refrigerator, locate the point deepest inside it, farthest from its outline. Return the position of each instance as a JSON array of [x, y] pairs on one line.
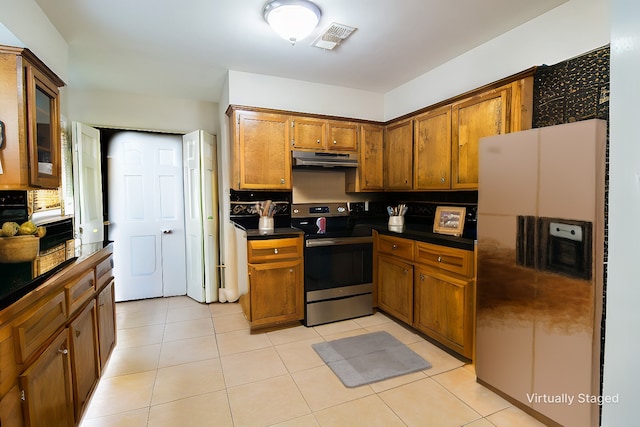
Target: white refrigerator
[[540, 269]]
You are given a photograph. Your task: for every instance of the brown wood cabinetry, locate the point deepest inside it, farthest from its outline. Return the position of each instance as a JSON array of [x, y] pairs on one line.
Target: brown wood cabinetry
[[445, 296], [30, 111], [85, 362], [369, 176], [46, 386], [432, 150], [51, 343], [484, 115], [275, 282], [398, 156], [262, 155], [324, 135], [428, 286], [445, 138], [106, 322], [394, 276]]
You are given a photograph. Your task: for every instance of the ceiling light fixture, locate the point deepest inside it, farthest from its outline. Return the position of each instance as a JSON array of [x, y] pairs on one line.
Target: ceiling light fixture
[[293, 20]]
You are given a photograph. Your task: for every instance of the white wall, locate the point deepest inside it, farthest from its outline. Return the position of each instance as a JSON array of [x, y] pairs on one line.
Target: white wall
[[130, 111], [285, 94], [569, 30], [26, 22], [622, 340]]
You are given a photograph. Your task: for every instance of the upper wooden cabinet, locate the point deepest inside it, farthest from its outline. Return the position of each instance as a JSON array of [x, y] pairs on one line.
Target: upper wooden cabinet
[[369, 176], [445, 139], [432, 150], [262, 157], [324, 135], [398, 156], [30, 112], [484, 115]]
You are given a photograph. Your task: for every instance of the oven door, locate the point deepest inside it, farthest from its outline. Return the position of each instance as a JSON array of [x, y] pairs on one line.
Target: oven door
[[337, 262]]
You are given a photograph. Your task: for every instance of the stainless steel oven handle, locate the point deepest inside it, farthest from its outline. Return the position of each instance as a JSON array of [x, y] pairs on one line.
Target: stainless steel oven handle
[[312, 243]]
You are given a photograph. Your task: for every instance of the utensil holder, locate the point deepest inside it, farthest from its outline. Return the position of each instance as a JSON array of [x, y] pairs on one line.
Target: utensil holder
[[265, 225], [396, 223]]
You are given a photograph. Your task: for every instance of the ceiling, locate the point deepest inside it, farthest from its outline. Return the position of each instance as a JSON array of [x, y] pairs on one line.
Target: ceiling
[[184, 48]]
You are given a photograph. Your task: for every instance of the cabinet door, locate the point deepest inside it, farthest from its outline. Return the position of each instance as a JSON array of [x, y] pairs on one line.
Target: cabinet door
[[85, 365], [432, 150], [44, 129], [484, 115], [46, 385], [395, 288], [106, 322], [276, 292], [262, 154], [308, 133], [371, 157], [342, 136], [398, 156], [443, 309]]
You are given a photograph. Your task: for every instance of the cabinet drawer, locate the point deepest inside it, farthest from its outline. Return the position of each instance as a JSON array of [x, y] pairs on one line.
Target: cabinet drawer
[[39, 326], [454, 260], [274, 249], [79, 290], [104, 272], [396, 246]]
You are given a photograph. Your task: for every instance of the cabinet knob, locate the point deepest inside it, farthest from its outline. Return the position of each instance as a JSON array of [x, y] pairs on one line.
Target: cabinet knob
[[422, 277], [318, 141], [439, 259], [335, 142], [281, 180], [63, 351], [442, 180], [291, 270], [405, 271], [394, 247], [275, 250]]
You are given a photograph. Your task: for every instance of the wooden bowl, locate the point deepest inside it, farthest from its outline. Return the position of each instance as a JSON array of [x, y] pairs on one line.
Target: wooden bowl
[[18, 249]]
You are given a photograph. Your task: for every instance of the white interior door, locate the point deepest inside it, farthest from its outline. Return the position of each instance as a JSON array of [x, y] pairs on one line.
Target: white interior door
[[88, 183], [146, 214], [201, 224]]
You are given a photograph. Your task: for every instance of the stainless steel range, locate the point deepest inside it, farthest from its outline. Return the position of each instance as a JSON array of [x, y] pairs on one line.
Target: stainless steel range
[[338, 265]]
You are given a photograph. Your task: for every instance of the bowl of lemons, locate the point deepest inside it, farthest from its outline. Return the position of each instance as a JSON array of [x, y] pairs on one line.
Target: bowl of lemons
[[19, 242]]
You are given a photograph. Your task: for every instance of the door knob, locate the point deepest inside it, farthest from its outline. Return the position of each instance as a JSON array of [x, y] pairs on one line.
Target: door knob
[[167, 231]]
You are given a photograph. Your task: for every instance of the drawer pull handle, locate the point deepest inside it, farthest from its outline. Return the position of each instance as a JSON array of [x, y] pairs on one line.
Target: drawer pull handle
[[63, 351], [275, 250]]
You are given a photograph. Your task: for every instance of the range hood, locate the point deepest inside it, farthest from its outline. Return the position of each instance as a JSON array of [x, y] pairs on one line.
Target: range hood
[[311, 159]]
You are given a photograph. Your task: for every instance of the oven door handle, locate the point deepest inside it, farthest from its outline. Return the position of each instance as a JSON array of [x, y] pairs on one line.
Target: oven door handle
[[313, 243]]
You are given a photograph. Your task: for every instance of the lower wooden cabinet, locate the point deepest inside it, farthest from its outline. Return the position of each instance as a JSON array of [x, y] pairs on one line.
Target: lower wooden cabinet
[[53, 345], [85, 362], [46, 387], [276, 287], [395, 288], [443, 309], [430, 287], [106, 322]]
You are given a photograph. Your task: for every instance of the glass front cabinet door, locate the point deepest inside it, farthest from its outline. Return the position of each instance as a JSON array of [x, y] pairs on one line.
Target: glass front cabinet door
[[30, 154], [44, 130]]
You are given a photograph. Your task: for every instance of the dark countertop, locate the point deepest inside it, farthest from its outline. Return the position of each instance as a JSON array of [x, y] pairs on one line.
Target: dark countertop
[[18, 278], [278, 233], [419, 234]]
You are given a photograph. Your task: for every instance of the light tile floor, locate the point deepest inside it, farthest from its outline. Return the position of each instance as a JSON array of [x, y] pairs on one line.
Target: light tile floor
[[181, 363]]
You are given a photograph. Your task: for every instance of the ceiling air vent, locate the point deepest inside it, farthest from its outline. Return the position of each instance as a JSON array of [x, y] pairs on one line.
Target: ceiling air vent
[[333, 36]]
